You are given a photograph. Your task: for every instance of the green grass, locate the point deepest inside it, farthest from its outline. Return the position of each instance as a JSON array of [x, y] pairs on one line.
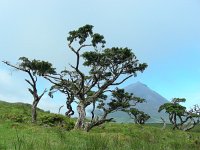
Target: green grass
[[111, 136], [11, 110]]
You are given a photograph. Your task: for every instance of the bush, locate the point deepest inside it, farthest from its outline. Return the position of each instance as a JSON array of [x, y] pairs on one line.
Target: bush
[[16, 117], [57, 120]]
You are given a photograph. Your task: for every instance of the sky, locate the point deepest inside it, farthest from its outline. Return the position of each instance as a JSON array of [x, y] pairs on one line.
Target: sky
[[163, 34]]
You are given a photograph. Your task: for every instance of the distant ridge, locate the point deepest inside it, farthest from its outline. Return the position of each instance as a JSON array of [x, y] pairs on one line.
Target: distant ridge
[[151, 106]]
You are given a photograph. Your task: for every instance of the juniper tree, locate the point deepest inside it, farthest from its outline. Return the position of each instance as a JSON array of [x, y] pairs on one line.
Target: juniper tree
[[120, 100], [139, 116], [33, 68], [106, 68], [61, 85], [179, 116]]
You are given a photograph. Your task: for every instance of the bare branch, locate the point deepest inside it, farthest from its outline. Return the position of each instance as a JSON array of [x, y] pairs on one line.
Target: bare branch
[[42, 94], [7, 63], [60, 109], [29, 83], [122, 80], [33, 81], [31, 91], [82, 46]]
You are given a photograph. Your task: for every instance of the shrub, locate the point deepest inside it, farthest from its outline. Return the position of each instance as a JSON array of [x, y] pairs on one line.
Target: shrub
[[16, 117], [57, 120]]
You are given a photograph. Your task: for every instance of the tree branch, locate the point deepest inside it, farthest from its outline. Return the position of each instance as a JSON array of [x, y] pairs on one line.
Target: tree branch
[[7, 63], [60, 109], [29, 83], [122, 80], [82, 46], [34, 83], [42, 94]]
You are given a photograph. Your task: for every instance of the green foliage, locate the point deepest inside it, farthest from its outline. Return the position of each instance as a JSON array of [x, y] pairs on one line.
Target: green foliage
[[20, 118], [33, 68], [112, 136], [38, 67], [179, 116], [139, 116], [17, 112], [122, 99], [173, 108], [57, 120], [20, 113], [107, 67], [119, 58], [83, 33], [178, 100]]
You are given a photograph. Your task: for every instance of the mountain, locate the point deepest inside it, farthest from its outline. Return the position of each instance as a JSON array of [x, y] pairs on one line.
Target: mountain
[[153, 102]]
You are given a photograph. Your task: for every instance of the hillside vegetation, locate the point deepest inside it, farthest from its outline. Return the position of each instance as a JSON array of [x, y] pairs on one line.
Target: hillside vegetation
[[18, 133]]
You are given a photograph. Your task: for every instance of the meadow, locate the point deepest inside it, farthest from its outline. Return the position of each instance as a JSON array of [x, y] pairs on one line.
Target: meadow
[[18, 133]]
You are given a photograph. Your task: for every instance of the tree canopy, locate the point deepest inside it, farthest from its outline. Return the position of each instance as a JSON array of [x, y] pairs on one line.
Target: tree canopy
[[179, 116], [107, 67], [33, 68], [139, 116]]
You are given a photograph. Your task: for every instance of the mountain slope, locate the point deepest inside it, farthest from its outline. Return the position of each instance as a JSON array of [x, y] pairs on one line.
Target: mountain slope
[[153, 101], [17, 111]]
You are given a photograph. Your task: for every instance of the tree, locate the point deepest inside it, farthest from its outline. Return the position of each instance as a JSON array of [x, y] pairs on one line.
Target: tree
[[107, 67], [179, 116], [33, 68], [139, 116], [120, 100], [62, 86]]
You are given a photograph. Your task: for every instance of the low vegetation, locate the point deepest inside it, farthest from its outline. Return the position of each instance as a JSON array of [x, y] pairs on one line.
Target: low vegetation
[[24, 135], [20, 113]]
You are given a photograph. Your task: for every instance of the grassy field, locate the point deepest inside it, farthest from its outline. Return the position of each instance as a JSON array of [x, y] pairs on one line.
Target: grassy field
[[22, 135]]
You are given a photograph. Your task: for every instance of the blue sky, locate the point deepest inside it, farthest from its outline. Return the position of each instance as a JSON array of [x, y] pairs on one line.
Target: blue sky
[[164, 34]]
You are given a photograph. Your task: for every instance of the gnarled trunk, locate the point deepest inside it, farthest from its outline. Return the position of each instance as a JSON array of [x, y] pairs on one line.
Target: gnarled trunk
[[90, 125], [81, 116], [164, 123], [97, 121], [34, 112], [35, 102]]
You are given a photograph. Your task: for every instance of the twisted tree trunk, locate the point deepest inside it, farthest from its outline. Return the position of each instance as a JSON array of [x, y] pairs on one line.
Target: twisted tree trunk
[[34, 112], [97, 121], [35, 103], [81, 116], [164, 123]]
